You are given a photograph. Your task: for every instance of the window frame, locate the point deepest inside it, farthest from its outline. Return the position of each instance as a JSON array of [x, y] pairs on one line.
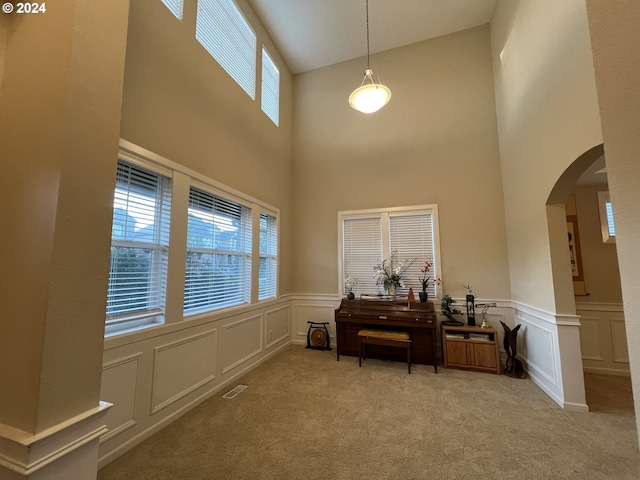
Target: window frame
[[272, 97], [228, 53], [245, 255], [176, 7], [606, 220], [155, 314], [385, 214], [269, 256]]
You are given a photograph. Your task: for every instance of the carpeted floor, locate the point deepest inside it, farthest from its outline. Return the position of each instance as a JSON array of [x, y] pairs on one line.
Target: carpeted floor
[[306, 416]]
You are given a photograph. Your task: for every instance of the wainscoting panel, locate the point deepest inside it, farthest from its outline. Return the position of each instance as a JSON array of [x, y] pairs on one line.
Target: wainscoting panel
[[277, 325], [602, 330], [181, 367], [589, 339], [316, 311], [241, 340], [537, 347], [619, 341], [120, 387]]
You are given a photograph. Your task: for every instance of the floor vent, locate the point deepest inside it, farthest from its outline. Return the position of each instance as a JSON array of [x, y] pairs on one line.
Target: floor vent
[[235, 392]]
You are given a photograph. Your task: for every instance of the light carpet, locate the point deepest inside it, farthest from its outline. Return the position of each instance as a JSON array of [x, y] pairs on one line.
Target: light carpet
[[307, 416]]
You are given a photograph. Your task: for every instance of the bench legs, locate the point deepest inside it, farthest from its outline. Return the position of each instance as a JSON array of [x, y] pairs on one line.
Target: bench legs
[[406, 344]]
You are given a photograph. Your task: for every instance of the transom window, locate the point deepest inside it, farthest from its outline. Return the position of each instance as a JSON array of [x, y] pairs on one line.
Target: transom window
[[175, 6], [227, 36], [270, 87]]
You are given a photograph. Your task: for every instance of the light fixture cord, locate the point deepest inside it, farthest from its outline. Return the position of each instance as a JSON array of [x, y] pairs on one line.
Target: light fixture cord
[[367, 6]]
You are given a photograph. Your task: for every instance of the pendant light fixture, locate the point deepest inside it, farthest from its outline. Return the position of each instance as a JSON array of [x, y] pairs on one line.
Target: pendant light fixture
[[370, 96]]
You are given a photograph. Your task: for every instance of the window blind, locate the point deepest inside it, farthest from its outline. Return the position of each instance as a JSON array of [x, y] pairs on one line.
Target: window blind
[[268, 275], [411, 235], [361, 251], [270, 87], [227, 36], [218, 272], [610, 224], [175, 6], [139, 246]]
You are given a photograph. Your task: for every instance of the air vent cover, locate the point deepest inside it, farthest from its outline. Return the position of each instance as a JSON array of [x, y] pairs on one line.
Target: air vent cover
[[234, 393]]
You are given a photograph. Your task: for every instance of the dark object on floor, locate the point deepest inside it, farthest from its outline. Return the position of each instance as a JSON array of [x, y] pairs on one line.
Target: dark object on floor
[[318, 336], [513, 366]]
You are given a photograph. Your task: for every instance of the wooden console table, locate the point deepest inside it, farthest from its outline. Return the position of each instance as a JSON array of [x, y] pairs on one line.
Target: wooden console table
[[471, 348], [418, 319]]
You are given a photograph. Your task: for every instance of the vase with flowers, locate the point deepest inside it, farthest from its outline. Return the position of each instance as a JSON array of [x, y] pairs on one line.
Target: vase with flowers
[[349, 283], [389, 273], [426, 280]]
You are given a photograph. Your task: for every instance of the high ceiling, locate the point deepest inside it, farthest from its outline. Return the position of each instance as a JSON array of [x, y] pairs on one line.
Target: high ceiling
[[315, 33]]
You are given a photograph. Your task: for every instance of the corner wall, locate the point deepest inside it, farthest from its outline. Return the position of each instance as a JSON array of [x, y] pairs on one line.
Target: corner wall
[[615, 43], [548, 117]]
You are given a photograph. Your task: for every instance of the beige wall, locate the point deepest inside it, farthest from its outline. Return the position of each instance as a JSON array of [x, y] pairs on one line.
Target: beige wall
[[547, 117], [181, 104], [599, 260], [60, 97], [434, 143], [616, 44]]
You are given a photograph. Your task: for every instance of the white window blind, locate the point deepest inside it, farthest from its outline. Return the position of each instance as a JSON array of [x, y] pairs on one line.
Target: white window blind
[[175, 6], [610, 224], [606, 217], [270, 87], [227, 36], [218, 272], [411, 236], [139, 245], [361, 251], [368, 237], [268, 275]]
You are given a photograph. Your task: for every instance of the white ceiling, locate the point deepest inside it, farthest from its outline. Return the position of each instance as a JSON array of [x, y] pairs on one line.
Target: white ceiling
[[315, 33]]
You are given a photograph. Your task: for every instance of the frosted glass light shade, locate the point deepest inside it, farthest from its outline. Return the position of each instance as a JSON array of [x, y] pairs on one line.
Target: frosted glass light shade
[[370, 98]]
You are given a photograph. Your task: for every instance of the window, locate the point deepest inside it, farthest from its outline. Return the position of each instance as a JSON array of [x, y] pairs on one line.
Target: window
[[268, 275], [270, 87], [367, 237], [227, 36], [175, 6], [218, 273], [139, 246], [606, 218]]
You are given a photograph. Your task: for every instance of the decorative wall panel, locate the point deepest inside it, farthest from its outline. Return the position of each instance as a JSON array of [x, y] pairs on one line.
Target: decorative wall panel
[[181, 367], [241, 340], [120, 387], [278, 323]]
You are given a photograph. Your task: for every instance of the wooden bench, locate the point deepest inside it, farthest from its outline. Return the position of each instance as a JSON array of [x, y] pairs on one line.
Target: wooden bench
[[386, 338]]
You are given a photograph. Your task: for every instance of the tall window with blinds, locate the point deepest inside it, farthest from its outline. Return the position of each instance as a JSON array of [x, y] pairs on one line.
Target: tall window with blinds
[[270, 88], [369, 236], [139, 247], [227, 36], [268, 275], [218, 270]]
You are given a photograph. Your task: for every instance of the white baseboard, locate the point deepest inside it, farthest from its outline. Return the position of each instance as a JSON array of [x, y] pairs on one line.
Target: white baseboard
[[156, 427], [607, 371], [26, 454]]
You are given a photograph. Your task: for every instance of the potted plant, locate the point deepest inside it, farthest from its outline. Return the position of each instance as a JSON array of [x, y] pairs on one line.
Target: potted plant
[[349, 283], [389, 273], [426, 280], [449, 312]]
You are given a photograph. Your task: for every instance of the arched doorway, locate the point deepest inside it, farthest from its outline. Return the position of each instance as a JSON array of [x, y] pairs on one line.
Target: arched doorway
[[595, 280]]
